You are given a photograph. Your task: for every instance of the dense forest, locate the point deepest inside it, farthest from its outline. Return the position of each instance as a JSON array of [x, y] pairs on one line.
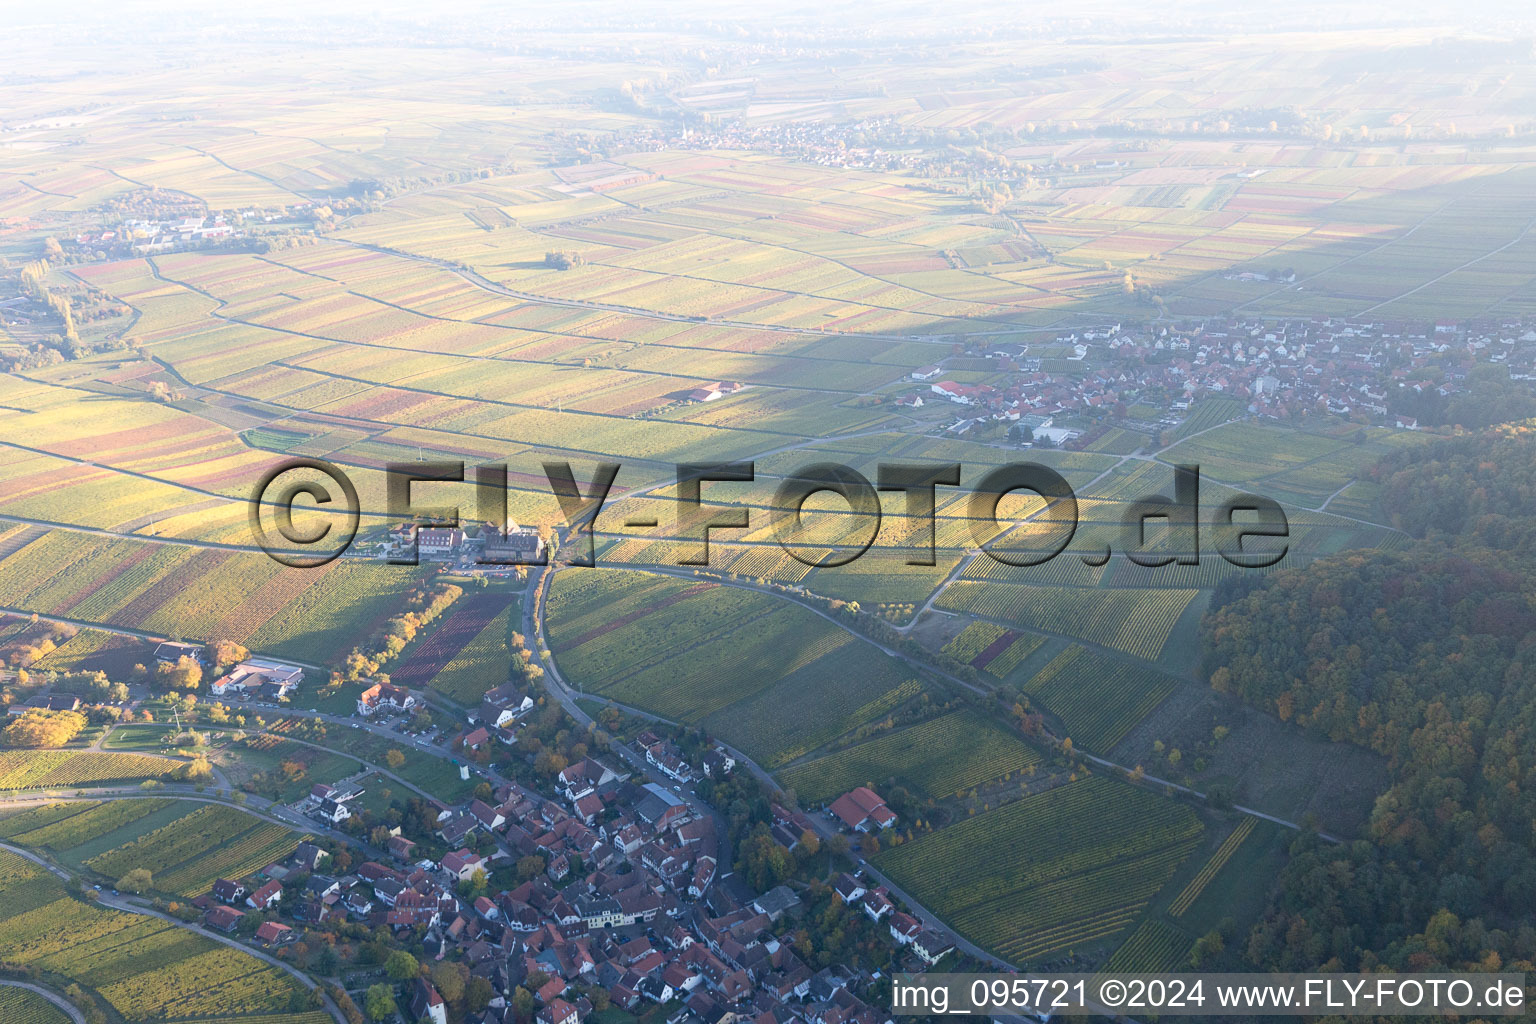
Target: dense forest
[[1426, 655]]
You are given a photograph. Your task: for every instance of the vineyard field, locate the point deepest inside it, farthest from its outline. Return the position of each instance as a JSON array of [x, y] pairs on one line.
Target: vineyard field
[[1136, 621], [764, 673], [47, 769], [147, 970], [1154, 947], [18, 1006], [939, 757], [188, 854], [1064, 869], [1098, 697]]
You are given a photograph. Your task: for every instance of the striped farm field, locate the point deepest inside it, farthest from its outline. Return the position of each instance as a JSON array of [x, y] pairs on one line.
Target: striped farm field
[[145, 969], [1057, 871], [973, 640], [209, 842], [1224, 852], [1098, 697], [1137, 621], [61, 830], [939, 757], [19, 1006], [763, 673], [1155, 947], [46, 769], [1004, 661], [461, 624], [481, 664]]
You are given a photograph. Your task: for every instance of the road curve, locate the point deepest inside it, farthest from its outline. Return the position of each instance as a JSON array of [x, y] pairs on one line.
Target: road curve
[[57, 1000]]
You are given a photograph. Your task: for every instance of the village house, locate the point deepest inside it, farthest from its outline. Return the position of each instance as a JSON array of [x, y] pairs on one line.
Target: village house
[[460, 865], [438, 543], [426, 1004], [513, 546], [558, 1012], [584, 777], [931, 945], [226, 891], [223, 919], [504, 705], [271, 933], [862, 810], [386, 697], [267, 896], [172, 651]]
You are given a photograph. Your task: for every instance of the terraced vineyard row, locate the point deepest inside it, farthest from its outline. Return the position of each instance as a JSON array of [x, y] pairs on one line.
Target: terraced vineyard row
[[1218, 860], [18, 1006], [972, 640], [1051, 872], [88, 821], [1009, 658]]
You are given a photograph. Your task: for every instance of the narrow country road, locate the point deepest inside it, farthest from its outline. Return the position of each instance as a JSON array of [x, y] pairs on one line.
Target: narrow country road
[[57, 1000]]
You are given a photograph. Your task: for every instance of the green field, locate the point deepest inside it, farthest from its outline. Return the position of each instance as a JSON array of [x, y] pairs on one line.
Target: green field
[[939, 757], [206, 843], [1098, 697], [1063, 870], [768, 676], [138, 736]]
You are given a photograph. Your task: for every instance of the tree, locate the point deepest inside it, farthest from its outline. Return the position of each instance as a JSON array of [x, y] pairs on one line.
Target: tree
[[196, 770], [43, 729], [401, 966], [379, 1003], [185, 674], [478, 992], [450, 977], [529, 867], [522, 1004], [473, 886], [226, 652], [136, 881], [395, 759]]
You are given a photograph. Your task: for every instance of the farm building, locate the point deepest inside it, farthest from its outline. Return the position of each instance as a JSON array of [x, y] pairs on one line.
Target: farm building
[[863, 810], [262, 677], [172, 651], [516, 546]]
